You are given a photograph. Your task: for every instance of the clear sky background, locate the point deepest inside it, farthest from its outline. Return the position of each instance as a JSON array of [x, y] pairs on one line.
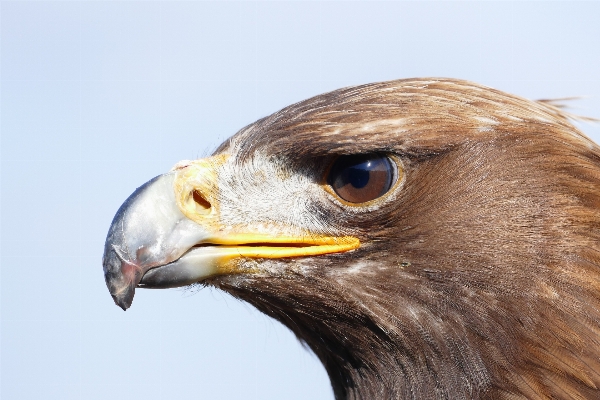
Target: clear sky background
[[99, 97]]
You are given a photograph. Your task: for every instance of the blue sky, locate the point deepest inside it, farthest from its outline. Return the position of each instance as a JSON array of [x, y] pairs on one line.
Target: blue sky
[[99, 97]]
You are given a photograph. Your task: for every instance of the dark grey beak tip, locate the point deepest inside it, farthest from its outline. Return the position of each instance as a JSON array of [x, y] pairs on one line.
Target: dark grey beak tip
[[122, 298], [125, 301], [121, 289]]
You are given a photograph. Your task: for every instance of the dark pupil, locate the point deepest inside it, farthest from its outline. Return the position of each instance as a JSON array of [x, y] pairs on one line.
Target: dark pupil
[[361, 178], [358, 175]]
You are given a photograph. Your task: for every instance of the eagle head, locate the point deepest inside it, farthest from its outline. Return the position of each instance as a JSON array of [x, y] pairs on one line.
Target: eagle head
[[426, 238]]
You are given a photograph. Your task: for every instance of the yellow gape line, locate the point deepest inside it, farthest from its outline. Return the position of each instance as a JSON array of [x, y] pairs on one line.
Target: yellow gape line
[[264, 246]]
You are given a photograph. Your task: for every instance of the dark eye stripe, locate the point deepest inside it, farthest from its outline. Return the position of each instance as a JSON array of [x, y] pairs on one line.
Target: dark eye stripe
[[362, 178]]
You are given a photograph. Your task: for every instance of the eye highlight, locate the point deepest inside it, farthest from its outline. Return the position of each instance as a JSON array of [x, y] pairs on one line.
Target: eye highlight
[[363, 177]]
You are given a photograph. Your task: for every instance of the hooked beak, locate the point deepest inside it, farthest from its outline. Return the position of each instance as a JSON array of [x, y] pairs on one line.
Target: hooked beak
[[167, 234], [148, 231]]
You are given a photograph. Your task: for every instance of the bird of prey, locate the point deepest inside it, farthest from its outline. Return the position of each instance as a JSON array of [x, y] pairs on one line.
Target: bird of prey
[[426, 238]]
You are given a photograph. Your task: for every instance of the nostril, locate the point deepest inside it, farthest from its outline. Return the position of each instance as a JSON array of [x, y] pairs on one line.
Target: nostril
[[201, 204]]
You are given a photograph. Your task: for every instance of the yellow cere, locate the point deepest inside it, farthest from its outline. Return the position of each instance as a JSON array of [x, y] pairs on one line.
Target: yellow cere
[[195, 188]]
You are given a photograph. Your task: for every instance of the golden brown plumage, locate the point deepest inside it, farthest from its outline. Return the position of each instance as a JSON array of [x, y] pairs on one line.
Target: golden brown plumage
[[477, 277]]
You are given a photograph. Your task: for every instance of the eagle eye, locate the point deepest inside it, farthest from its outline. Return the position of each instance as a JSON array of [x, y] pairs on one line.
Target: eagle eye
[[361, 178]]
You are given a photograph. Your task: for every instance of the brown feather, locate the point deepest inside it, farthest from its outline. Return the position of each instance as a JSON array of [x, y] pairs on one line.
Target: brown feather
[[481, 280]]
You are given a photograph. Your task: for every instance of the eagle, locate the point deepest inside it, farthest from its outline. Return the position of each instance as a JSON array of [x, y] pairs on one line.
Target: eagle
[[426, 238]]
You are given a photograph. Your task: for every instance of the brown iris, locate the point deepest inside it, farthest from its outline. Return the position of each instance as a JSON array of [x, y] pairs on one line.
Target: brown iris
[[361, 178]]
